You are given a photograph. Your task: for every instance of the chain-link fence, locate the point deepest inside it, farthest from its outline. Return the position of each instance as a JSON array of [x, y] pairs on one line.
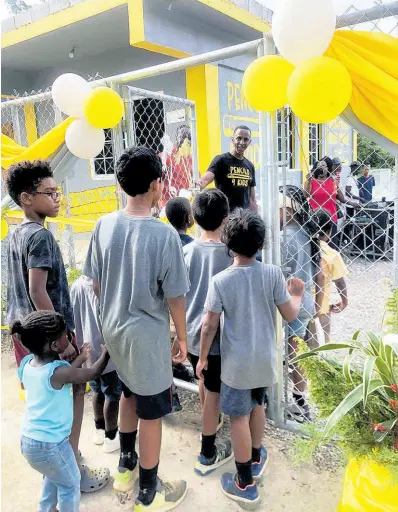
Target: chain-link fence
[[88, 188], [337, 231]]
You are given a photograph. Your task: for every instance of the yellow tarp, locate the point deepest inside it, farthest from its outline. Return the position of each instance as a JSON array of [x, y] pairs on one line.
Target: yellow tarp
[[12, 153], [368, 487], [372, 60]]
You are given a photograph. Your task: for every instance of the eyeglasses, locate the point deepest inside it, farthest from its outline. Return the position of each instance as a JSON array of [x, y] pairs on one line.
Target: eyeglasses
[[54, 195]]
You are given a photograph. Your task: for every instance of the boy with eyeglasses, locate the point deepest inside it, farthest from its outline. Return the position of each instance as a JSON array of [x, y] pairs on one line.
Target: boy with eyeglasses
[[37, 278]]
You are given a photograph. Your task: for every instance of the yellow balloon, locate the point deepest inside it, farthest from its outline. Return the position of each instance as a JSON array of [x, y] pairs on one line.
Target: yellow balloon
[[103, 108], [4, 228], [265, 81], [319, 90]]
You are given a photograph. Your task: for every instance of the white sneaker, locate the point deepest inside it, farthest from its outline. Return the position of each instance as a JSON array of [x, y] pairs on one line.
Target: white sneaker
[[111, 445], [98, 437]]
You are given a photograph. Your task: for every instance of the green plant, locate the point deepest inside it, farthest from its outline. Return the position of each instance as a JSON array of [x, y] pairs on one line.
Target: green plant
[[373, 155], [357, 400], [73, 274]]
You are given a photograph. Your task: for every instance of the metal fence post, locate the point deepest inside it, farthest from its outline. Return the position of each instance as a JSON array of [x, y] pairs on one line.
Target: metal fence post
[[395, 256]]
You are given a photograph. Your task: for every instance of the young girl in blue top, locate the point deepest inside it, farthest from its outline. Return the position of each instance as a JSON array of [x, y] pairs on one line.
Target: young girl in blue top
[[49, 406]]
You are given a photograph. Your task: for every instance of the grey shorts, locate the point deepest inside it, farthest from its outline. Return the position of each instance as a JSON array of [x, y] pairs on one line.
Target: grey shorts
[[241, 402], [298, 328]]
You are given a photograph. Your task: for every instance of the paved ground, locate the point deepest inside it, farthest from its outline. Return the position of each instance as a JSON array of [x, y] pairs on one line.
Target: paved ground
[[284, 489]]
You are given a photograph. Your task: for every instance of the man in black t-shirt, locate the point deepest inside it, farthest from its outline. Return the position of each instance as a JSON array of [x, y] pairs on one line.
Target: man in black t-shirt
[[233, 173]]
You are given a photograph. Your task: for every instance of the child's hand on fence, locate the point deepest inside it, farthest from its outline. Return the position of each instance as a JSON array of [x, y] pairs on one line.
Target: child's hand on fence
[[295, 287], [202, 365], [338, 308], [179, 351]]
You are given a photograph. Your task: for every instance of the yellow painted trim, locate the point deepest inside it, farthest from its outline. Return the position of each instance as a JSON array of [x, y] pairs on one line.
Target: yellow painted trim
[[237, 13], [136, 21], [202, 87], [304, 140], [30, 123], [158, 48], [60, 19], [354, 145]]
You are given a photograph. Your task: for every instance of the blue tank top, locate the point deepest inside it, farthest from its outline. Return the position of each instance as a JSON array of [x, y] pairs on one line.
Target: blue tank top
[[49, 412]]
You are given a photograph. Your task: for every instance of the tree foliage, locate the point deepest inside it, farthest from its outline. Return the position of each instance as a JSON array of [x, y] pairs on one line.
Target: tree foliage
[[373, 155]]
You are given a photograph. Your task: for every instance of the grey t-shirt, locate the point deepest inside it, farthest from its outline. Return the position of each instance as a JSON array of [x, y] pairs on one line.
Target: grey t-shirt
[[87, 323], [32, 246], [296, 259], [138, 263], [203, 260], [247, 296]]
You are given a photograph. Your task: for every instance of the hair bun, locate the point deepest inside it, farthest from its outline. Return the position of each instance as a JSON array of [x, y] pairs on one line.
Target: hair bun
[[16, 327]]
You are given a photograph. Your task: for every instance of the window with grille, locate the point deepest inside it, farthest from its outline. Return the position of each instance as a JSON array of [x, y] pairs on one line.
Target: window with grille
[[315, 131], [285, 151], [103, 164]]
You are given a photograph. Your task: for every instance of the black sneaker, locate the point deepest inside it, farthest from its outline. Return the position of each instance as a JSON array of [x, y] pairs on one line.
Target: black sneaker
[[223, 454]]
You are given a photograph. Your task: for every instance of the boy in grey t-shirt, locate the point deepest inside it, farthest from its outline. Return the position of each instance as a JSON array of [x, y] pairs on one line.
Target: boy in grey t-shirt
[[205, 258], [245, 297], [139, 274]]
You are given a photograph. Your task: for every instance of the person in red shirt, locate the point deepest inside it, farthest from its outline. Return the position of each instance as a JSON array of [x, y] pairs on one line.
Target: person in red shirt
[[323, 192], [178, 165]]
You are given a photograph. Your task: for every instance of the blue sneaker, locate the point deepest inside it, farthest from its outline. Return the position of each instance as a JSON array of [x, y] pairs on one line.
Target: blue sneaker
[[258, 468], [247, 498], [204, 466]]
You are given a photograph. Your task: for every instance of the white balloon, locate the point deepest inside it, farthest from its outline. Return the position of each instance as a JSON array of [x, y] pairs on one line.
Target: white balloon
[[83, 140], [303, 28], [69, 92]]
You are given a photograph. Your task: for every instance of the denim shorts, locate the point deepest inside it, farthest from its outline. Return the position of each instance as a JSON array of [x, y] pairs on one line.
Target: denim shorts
[[57, 463], [109, 384], [298, 327], [241, 402]]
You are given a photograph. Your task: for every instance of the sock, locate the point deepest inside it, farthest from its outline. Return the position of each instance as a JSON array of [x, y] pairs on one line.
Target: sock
[[299, 399], [128, 456], [111, 434], [148, 481], [256, 454], [245, 475], [208, 447], [100, 424]]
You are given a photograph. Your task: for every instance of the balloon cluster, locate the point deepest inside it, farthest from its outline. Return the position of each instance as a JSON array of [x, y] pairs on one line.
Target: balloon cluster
[[317, 88], [94, 110]]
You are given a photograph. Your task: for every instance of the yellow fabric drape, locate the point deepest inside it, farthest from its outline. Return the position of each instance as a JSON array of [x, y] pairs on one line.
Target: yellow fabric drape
[[372, 60], [42, 148]]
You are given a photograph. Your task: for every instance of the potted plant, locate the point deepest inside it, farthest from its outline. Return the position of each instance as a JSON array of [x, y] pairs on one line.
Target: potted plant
[[357, 399]]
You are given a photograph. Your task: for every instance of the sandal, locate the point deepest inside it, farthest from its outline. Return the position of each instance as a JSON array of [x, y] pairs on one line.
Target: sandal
[[93, 479]]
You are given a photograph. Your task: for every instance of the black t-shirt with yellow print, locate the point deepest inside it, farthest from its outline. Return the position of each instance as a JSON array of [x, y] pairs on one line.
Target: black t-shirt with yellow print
[[235, 178]]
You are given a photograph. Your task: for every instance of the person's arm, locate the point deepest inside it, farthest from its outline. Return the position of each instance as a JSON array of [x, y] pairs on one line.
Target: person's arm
[[177, 311], [341, 197], [253, 202], [307, 187], [341, 286], [320, 282], [75, 375], [210, 326], [38, 289], [290, 310], [206, 179]]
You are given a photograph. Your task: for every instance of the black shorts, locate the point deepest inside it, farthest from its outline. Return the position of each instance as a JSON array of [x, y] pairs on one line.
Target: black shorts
[[212, 376], [151, 407], [108, 384]]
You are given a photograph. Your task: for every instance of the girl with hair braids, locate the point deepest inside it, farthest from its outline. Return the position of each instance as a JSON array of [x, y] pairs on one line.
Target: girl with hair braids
[[301, 257], [49, 405]]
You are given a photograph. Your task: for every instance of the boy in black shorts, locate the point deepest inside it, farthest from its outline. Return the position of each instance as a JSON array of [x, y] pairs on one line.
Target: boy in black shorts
[[139, 274], [205, 258], [247, 295]]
